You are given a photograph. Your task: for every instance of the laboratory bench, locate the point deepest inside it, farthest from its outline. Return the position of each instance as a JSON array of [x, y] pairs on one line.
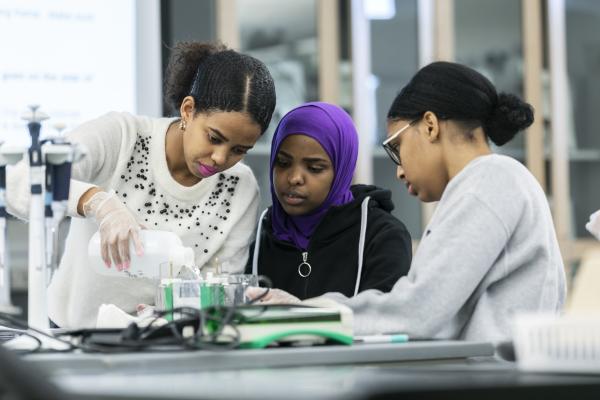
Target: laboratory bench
[[413, 370]]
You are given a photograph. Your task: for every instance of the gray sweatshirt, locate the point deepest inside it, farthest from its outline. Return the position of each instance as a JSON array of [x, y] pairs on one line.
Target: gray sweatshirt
[[489, 251]]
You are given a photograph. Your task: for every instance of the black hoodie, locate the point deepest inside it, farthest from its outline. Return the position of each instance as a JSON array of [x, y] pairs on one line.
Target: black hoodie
[[333, 250]]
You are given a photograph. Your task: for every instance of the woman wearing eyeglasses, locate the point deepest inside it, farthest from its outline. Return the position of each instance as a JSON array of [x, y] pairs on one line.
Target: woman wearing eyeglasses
[[490, 249]]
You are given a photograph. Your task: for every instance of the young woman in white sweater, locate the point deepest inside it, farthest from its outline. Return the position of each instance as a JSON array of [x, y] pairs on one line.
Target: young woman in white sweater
[[178, 174], [490, 249]]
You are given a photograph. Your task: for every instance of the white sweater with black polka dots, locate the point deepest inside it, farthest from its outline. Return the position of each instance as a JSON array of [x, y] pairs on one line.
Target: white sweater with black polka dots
[[126, 153]]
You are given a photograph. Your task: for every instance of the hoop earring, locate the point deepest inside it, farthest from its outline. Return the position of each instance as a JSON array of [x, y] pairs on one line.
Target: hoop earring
[[182, 125]]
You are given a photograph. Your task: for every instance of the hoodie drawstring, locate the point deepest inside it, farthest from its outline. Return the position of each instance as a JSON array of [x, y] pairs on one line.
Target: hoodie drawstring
[[364, 211], [364, 208]]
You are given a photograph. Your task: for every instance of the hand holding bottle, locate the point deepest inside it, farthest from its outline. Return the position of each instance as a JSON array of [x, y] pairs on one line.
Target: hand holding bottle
[[116, 225]]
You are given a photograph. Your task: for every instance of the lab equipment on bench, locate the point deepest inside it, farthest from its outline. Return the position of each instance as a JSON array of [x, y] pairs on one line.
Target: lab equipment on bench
[[59, 156], [558, 343], [221, 327], [371, 339], [205, 290], [9, 155], [49, 173], [222, 298], [36, 287], [261, 326]]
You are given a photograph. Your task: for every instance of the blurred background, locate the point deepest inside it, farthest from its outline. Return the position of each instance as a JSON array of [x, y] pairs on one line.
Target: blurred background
[[79, 59]]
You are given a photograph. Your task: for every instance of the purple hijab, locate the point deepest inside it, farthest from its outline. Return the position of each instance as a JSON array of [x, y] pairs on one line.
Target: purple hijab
[[332, 127]]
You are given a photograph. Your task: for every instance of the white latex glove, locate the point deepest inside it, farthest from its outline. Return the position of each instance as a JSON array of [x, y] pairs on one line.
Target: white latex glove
[[145, 310], [111, 316], [275, 296], [593, 226], [116, 225]]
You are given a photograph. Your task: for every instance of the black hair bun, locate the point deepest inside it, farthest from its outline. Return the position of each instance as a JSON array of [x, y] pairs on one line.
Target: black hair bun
[[510, 116], [182, 67]]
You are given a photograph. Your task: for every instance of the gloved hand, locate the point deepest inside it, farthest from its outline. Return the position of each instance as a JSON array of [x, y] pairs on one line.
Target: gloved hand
[[145, 310], [274, 296], [593, 226], [116, 225]]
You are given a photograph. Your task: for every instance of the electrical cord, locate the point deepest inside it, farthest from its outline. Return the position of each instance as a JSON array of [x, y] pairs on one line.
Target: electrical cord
[[25, 381], [19, 333], [208, 326], [213, 328], [23, 328]]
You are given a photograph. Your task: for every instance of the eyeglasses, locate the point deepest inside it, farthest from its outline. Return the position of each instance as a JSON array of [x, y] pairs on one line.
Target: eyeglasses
[[392, 150]]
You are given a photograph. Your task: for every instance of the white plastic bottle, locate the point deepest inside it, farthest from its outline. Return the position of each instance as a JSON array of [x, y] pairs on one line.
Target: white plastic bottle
[[162, 249]]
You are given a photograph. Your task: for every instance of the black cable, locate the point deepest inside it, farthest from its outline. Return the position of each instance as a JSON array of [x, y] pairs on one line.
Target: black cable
[[208, 324], [20, 333], [268, 285], [10, 321]]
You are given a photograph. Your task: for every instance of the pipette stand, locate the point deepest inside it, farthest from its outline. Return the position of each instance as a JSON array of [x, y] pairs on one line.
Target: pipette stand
[[49, 167], [8, 155]]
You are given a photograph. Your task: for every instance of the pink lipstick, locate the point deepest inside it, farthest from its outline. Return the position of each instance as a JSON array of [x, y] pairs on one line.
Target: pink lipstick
[[206, 171]]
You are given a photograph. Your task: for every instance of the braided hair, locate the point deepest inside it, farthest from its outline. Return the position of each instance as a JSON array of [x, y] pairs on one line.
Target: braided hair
[[220, 79]]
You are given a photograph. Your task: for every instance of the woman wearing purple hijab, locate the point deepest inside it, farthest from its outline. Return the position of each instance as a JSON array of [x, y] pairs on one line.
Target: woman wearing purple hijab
[[321, 234]]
